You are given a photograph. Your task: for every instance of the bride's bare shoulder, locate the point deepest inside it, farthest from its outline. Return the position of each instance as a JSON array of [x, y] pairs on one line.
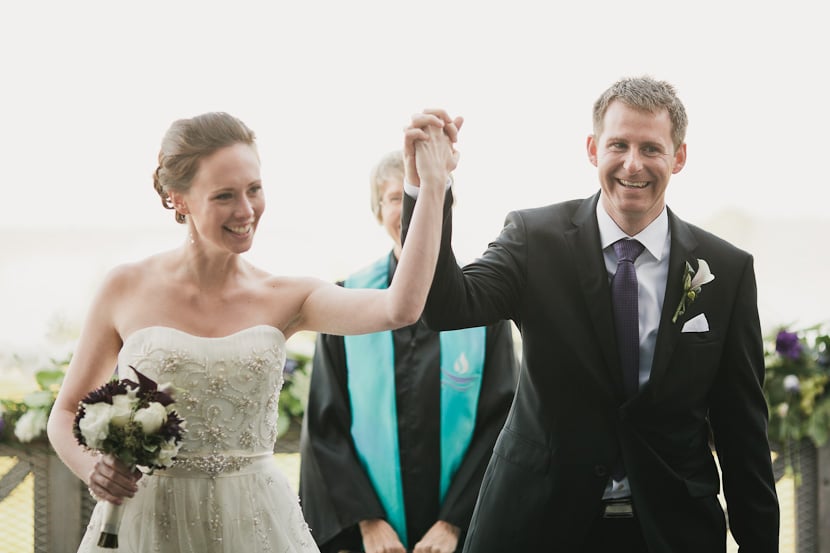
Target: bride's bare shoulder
[[136, 273]]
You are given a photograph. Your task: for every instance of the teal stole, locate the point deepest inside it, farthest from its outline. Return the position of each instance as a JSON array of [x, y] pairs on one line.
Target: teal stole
[[370, 359]]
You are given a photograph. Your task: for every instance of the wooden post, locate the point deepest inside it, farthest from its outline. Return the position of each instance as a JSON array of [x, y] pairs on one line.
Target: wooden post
[[823, 499], [64, 524]]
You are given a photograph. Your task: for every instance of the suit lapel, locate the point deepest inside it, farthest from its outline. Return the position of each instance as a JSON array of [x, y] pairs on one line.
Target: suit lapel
[[584, 242], [683, 246]]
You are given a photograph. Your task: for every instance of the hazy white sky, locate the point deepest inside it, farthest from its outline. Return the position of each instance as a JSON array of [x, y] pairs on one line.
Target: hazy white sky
[[90, 87]]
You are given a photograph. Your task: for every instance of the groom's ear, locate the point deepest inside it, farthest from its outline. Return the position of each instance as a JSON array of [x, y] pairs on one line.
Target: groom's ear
[[591, 147], [679, 159]]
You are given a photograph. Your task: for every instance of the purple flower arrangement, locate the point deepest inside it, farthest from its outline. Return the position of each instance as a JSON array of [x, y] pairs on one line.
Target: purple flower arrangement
[[134, 421], [797, 385]]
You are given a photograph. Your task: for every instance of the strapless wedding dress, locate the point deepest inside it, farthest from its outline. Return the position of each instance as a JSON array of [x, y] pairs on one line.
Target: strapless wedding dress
[[224, 492]]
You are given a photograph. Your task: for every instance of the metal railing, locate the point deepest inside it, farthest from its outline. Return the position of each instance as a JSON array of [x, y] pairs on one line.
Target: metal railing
[[62, 505]]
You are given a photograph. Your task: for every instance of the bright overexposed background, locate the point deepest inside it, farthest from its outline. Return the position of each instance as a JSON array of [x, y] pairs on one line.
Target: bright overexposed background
[[89, 88]]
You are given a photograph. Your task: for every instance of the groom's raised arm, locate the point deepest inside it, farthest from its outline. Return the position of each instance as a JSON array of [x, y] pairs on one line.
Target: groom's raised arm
[[482, 292]]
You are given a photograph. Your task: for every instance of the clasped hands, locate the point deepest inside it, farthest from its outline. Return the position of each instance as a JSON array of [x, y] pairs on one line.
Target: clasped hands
[[379, 537], [429, 147]]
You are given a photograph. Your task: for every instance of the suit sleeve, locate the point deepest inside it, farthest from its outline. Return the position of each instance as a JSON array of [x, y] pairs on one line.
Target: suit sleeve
[[497, 388], [738, 416], [482, 292], [335, 491]]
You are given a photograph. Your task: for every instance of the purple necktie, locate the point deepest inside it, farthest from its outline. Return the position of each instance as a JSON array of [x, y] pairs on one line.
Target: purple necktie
[[626, 316], [627, 322]]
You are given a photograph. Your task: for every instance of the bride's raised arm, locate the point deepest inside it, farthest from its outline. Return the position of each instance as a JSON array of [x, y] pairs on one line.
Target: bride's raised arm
[[335, 310]]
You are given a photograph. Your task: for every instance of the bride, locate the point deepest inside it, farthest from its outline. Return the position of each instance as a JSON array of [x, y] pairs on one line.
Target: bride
[[204, 319]]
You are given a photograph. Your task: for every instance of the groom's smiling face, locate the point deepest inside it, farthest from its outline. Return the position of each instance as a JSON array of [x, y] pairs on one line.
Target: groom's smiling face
[[635, 159]]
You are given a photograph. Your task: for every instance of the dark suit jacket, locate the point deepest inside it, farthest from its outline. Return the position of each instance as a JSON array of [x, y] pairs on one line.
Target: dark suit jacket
[[570, 422]]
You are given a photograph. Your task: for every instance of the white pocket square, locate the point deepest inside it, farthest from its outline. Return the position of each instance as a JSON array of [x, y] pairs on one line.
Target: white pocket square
[[696, 324]]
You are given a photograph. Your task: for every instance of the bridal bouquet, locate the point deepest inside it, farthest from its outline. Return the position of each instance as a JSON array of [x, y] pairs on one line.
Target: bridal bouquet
[[134, 422]]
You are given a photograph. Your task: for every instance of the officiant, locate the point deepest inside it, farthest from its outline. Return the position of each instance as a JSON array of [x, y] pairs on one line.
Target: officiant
[[400, 425]]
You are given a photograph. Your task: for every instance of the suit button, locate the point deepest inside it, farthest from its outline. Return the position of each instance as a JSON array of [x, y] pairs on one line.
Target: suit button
[[600, 470]]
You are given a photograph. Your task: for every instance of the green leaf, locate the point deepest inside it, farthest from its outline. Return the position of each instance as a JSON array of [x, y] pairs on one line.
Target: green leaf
[[818, 426], [49, 379], [283, 422]]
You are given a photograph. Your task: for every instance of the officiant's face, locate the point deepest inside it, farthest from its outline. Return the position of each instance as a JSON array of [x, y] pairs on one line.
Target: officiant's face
[[225, 200], [635, 158], [391, 200]]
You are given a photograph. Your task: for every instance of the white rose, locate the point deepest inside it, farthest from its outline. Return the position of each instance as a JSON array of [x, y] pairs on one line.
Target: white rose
[[122, 408], [30, 425], [168, 450], [95, 423], [151, 417]]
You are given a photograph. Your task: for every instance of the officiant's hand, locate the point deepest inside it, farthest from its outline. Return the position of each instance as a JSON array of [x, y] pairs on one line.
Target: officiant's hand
[[380, 537], [442, 537]]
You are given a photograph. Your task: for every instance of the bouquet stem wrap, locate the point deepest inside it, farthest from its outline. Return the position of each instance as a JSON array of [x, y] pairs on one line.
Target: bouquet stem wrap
[[112, 514]]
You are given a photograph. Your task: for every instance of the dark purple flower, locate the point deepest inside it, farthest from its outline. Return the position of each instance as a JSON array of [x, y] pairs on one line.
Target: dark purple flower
[[145, 384], [173, 427], [149, 391], [787, 345], [105, 392], [76, 426]]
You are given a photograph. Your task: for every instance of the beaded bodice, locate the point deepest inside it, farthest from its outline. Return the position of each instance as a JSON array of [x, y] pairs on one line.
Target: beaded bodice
[[226, 389]]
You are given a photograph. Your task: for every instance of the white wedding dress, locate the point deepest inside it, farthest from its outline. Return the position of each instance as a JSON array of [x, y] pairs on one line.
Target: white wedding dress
[[224, 492]]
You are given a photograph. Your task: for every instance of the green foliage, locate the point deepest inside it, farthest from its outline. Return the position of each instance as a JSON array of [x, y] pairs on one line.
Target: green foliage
[[25, 421], [294, 392]]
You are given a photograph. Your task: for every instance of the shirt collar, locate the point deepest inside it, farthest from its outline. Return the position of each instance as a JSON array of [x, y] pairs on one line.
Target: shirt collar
[[653, 237]]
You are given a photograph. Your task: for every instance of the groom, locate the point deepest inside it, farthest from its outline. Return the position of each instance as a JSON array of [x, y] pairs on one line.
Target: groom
[[641, 343]]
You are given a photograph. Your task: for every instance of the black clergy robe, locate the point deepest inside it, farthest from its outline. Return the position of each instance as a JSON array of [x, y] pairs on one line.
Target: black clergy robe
[[335, 490]]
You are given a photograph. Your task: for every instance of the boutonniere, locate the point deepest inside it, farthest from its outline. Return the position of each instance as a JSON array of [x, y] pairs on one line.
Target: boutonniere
[[692, 284]]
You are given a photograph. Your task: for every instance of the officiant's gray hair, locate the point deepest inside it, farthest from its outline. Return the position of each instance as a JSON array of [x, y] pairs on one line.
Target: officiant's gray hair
[[647, 94], [389, 168], [187, 142]]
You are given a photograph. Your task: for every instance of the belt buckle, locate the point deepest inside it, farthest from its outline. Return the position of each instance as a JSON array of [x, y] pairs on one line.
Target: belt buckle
[[618, 508]]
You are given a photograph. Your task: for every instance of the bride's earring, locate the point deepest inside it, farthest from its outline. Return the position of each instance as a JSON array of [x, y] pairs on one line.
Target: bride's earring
[[181, 210]]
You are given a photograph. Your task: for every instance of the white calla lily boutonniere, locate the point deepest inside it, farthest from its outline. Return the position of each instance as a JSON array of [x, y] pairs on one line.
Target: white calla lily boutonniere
[[693, 282]]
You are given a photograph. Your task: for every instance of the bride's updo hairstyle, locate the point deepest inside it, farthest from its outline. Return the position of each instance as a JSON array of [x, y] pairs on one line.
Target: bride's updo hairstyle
[[186, 143]]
